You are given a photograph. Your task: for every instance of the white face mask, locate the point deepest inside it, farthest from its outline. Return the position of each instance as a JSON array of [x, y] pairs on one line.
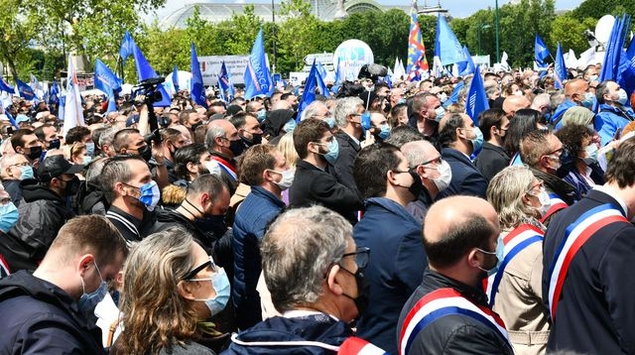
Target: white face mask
[[445, 176], [545, 202], [213, 167], [287, 178]]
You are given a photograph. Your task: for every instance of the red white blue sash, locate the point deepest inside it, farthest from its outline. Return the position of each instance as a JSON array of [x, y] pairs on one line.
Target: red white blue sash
[[514, 242], [4, 267], [225, 165], [556, 205], [445, 302], [359, 346], [574, 238]]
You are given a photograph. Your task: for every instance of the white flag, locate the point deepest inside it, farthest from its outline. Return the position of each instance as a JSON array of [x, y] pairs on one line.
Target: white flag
[[73, 112]]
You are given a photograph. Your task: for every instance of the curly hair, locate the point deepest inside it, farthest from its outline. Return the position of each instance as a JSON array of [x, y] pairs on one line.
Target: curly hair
[[573, 138]]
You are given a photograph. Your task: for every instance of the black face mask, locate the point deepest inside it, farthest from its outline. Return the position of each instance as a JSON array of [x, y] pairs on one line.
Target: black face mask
[[257, 139], [363, 287], [196, 125], [34, 153], [72, 186], [146, 152], [214, 225], [236, 147], [54, 144], [417, 185]]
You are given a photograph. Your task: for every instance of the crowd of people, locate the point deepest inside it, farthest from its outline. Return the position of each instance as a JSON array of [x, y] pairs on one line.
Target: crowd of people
[[379, 218]]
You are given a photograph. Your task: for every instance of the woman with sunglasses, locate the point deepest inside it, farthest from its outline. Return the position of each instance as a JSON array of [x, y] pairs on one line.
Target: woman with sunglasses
[[514, 286], [171, 288]]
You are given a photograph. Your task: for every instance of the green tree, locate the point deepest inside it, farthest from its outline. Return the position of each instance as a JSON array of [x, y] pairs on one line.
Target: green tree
[[598, 8], [568, 31], [296, 37], [19, 25]]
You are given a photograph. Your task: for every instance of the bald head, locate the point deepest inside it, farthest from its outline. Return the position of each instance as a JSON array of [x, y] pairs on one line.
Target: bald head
[[456, 225], [419, 152], [576, 86], [514, 103]]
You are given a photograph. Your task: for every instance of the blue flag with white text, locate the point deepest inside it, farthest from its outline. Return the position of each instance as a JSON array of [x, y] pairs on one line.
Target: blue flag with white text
[[258, 80], [308, 95], [467, 67], [25, 91], [105, 79], [127, 47], [54, 93], [225, 85], [175, 78], [321, 74]]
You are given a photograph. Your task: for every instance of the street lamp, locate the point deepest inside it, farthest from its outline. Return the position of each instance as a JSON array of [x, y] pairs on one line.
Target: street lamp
[[497, 36], [481, 27]]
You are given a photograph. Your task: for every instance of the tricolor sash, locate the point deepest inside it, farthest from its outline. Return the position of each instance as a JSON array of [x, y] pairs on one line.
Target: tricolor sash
[[574, 238], [556, 205], [4, 267], [359, 346], [225, 165], [514, 242], [445, 302]]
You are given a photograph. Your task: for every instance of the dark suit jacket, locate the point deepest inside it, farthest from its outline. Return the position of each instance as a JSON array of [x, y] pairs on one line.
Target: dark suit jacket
[[596, 311], [312, 185], [466, 179], [491, 160], [346, 159]]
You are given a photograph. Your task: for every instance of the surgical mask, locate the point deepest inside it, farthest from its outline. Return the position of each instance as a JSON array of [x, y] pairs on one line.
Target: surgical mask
[[8, 216], [593, 78], [90, 149], [262, 114], [34, 153], [236, 147], [287, 178], [622, 97], [333, 153], [221, 285], [589, 100], [150, 195], [330, 121], [545, 202], [26, 172], [289, 126], [212, 167], [477, 141], [54, 144], [401, 101], [86, 160], [440, 112], [445, 176], [88, 301], [592, 152], [443, 97], [499, 253], [385, 132]]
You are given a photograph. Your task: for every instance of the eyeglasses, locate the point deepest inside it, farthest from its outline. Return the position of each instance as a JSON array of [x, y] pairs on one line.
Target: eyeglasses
[[362, 255], [438, 160], [210, 263], [540, 184], [20, 164]]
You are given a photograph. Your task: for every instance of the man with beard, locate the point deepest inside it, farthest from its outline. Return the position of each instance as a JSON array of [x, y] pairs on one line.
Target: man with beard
[[424, 114], [248, 128], [448, 313], [493, 158]]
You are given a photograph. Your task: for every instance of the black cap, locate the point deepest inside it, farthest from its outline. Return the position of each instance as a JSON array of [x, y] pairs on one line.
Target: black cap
[[56, 165]]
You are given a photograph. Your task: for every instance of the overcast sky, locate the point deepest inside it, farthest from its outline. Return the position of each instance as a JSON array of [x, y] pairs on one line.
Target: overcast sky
[[458, 8]]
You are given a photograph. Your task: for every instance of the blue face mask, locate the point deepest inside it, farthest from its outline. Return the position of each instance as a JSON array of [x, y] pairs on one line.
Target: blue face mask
[[365, 120], [589, 100], [86, 160], [500, 255], [88, 301], [401, 101], [8, 216], [90, 149], [289, 126], [333, 153], [262, 114], [331, 122], [477, 141], [26, 172], [385, 132], [221, 285], [150, 195]]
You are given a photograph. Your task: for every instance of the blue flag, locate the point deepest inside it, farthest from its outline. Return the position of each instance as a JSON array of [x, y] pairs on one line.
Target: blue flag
[[614, 51], [127, 47], [454, 98], [54, 93], [308, 96], [627, 78], [467, 67], [5, 87], [447, 46], [321, 74], [225, 85], [144, 69], [175, 78], [540, 51], [105, 79], [476, 101], [559, 69], [338, 77], [198, 90], [258, 80], [25, 91]]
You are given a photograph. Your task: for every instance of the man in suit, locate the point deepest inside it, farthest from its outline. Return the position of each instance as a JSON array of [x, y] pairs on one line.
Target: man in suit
[[459, 138], [588, 283]]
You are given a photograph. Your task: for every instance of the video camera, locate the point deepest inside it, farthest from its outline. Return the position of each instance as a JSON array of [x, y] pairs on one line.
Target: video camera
[[146, 93]]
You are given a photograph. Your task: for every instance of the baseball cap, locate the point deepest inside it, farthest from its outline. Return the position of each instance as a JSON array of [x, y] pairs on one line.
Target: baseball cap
[[56, 165]]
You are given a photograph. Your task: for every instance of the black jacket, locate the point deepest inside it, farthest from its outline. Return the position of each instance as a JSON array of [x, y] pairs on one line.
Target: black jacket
[[491, 160], [348, 150], [453, 334], [40, 318], [596, 311], [466, 179], [132, 229], [312, 185], [14, 189], [42, 214]]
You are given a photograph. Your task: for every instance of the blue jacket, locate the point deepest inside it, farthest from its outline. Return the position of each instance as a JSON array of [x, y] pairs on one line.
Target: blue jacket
[[559, 112], [276, 331], [466, 179], [608, 120], [396, 266], [40, 318], [252, 218]]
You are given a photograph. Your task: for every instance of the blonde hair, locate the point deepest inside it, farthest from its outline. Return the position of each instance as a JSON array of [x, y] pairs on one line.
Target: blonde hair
[[155, 316], [285, 145], [505, 193]]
